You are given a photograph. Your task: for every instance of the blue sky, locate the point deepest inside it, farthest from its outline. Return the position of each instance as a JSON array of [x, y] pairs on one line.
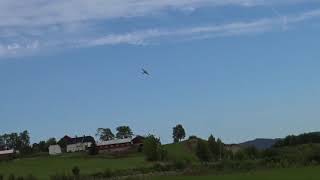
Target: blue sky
[[238, 69]]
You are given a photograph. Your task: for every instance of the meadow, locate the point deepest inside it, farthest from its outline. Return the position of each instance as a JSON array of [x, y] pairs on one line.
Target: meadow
[[44, 166], [307, 173]]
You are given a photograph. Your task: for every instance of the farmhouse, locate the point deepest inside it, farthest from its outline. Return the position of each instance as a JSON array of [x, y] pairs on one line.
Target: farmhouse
[[54, 150], [79, 143], [120, 145], [7, 154]]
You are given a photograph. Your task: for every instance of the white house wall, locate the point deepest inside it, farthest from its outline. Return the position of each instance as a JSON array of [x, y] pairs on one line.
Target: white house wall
[[78, 147]]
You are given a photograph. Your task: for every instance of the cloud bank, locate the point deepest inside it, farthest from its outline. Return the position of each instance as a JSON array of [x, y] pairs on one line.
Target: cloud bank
[[26, 28]]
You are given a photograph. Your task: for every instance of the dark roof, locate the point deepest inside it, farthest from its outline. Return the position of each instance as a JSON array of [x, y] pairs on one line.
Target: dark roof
[[83, 139], [138, 140]]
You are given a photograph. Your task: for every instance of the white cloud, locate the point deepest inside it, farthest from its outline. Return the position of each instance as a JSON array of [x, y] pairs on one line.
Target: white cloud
[[17, 49], [209, 31], [26, 28], [48, 12]]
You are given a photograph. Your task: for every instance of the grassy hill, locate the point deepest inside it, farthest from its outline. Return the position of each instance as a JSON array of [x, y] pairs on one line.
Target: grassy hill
[[182, 151], [44, 166]]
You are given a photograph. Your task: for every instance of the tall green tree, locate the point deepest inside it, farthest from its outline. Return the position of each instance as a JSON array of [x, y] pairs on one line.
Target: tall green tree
[[152, 149], [124, 132], [13, 141], [213, 147], [24, 142], [105, 134], [17, 141], [221, 149], [202, 151], [178, 133], [43, 146]]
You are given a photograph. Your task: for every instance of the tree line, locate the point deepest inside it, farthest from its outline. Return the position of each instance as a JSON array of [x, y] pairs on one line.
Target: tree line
[[106, 134], [18, 141], [293, 140]]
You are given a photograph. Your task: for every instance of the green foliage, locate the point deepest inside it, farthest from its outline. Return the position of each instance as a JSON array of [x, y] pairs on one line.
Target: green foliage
[[31, 177], [105, 134], [11, 177], [76, 171], [17, 141], [182, 151], [153, 150], [178, 133], [43, 146], [63, 144], [202, 151], [251, 152], [124, 132], [213, 147], [293, 140], [93, 150]]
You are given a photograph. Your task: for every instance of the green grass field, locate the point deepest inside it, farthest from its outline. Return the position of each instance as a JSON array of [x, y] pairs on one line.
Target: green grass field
[[43, 167], [310, 173]]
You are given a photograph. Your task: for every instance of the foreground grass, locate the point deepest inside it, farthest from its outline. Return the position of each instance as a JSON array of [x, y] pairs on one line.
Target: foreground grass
[[309, 173], [43, 167]]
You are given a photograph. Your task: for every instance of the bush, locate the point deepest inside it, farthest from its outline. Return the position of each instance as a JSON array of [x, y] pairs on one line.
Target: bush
[[76, 171], [161, 167], [61, 177], [107, 173], [1, 177], [11, 177], [93, 150], [31, 177], [202, 151], [152, 149], [180, 164]]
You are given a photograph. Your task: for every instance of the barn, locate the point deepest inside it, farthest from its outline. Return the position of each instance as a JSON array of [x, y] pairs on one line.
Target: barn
[[120, 145]]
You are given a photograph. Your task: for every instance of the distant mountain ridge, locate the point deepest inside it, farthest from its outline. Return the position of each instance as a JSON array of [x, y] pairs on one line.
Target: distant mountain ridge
[[260, 143]]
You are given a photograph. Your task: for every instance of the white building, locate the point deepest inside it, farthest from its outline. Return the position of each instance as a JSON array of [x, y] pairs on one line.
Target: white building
[[7, 154], [79, 143], [78, 147], [54, 150]]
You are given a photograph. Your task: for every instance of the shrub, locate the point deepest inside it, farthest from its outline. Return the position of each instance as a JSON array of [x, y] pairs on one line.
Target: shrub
[[61, 177], [180, 164], [202, 151], [76, 171], [31, 177], [107, 173], [93, 150], [11, 177], [152, 148], [161, 167], [1, 177]]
